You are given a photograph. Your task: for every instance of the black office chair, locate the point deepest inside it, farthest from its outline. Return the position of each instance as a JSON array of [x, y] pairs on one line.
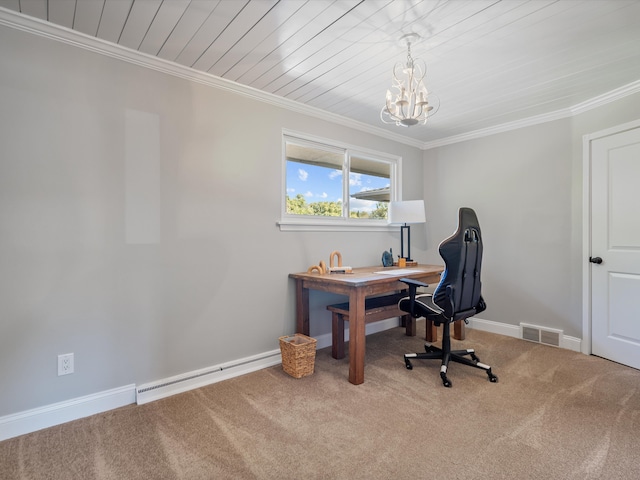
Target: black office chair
[[457, 296]]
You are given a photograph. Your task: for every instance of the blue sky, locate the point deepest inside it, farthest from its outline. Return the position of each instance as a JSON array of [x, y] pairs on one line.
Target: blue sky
[[319, 184]]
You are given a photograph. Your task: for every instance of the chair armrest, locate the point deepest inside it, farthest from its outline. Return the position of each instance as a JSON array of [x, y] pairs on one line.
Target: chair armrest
[[411, 281], [413, 287]]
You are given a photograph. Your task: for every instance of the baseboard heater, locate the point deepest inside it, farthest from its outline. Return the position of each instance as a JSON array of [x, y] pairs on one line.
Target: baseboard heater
[[206, 376], [547, 336]]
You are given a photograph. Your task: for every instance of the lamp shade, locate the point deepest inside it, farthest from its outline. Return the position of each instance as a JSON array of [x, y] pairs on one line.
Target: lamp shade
[[410, 211]]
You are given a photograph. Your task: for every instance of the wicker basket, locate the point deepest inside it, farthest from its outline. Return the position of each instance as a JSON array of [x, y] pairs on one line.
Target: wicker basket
[[298, 354]]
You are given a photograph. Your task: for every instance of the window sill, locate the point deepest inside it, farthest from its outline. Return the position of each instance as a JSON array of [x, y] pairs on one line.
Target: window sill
[[332, 225]]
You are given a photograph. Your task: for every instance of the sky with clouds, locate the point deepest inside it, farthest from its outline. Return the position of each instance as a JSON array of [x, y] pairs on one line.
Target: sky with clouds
[[322, 184]]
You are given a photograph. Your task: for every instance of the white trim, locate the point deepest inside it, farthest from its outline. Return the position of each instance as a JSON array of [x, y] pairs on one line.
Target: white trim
[[571, 343], [71, 37], [515, 331], [331, 143], [50, 415], [167, 387], [586, 224], [586, 244], [316, 225], [613, 130], [505, 127], [600, 100], [66, 411], [494, 327], [612, 96], [298, 223]]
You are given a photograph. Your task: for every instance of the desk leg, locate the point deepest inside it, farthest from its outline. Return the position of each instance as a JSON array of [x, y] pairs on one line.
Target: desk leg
[[409, 324], [356, 337], [431, 331], [459, 330], [302, 308], [337, 335]]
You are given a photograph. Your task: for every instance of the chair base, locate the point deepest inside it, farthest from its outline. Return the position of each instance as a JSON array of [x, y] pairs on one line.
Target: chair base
[[458, 356]]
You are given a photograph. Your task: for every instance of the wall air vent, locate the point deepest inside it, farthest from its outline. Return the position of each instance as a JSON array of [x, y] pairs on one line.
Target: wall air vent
[[547, 336], [530, 333]]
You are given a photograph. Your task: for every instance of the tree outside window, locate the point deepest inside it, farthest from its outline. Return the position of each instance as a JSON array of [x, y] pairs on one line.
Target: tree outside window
[[327, 181]]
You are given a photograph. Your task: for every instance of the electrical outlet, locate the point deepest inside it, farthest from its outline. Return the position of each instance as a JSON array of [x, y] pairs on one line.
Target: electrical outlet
[[65, 364]]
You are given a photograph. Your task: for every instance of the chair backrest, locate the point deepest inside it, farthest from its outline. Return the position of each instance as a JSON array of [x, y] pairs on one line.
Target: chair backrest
[[458, 292]]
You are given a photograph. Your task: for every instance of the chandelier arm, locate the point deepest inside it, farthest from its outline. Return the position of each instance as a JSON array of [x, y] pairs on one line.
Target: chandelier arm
[[387, 110]]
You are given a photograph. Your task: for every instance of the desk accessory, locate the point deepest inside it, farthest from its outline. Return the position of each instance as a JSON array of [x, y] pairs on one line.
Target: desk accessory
[[339, 268], [321, 268], [387, 258], [411, 211], [406, 263]]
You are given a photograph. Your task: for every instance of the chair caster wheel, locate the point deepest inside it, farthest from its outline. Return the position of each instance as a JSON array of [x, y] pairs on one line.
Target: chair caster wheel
[[492, 378], [445, 381], [408, 364]]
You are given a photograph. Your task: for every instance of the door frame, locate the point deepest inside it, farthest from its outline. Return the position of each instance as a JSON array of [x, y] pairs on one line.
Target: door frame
[[586, 225]]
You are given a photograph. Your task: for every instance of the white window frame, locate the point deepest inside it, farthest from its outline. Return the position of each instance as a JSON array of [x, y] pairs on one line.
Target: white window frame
[[290, 222]]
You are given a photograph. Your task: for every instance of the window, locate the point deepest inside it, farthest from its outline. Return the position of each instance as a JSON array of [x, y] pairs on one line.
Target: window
[[327, 184]]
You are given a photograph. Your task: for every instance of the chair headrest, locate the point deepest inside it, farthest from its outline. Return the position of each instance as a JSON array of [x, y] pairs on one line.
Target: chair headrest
[[462, 254]]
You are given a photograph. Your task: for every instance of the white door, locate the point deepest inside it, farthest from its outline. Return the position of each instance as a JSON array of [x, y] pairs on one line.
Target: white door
[[615, 239]]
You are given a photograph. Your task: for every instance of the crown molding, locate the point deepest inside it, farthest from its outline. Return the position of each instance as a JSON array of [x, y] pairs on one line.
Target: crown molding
[[65, 35], [599, 101], [504, 127], [612, 96]]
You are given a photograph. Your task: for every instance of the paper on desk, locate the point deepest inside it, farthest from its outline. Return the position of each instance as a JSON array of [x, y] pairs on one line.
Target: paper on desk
[[400, 271]]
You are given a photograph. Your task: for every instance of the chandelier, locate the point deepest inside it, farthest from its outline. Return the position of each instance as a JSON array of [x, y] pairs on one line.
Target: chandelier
[[411, 103]]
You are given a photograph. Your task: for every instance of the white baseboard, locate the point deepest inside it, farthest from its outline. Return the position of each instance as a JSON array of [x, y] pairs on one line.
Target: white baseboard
[[58, 413], [205, 376], [567, 342], [570, 343], [62, 412], [494, 327]]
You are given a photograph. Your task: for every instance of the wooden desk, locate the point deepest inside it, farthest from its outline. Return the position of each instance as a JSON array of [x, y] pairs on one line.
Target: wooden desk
[[363, 282]]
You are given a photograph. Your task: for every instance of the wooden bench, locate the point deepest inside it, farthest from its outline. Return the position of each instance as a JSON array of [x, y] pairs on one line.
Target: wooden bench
[[381, 308], [375, 309]]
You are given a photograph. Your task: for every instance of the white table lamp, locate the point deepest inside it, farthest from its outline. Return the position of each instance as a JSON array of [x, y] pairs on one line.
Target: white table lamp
[[404, 213]]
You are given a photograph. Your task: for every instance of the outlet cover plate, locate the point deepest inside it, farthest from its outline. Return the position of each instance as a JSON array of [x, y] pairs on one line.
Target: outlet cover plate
[[65, 364]]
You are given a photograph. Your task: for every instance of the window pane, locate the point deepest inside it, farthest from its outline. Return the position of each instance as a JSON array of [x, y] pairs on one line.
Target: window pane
[[369, 188], [314, 180], [329, 185]]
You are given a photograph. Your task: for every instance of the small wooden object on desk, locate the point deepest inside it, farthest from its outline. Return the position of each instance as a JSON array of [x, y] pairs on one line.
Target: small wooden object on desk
[[322, 268], [406, 263], [339, 268]]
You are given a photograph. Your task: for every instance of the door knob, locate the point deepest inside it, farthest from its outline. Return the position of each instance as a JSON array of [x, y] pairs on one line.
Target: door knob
[[596, 260]]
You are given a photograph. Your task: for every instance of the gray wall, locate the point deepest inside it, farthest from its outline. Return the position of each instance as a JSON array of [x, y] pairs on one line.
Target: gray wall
[[210, 285], [526, 187], [195, 278]]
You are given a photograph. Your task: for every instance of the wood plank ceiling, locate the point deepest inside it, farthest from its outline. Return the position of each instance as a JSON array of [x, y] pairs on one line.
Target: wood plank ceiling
[[490, 62]]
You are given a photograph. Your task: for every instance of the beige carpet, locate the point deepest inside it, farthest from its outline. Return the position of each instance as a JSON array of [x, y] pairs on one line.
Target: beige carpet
[[554, 414]]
